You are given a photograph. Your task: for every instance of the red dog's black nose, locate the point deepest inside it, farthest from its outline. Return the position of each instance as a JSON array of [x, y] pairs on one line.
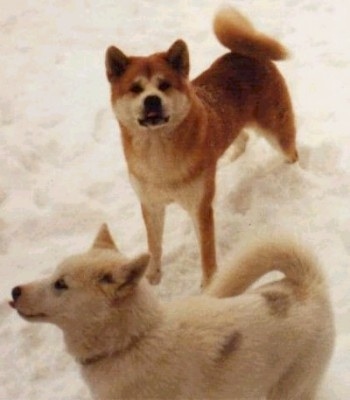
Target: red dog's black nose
[[16, 292], [152, 104]]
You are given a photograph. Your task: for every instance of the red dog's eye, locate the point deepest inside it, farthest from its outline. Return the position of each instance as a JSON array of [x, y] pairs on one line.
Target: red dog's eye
[[164, 85], [136, 88]]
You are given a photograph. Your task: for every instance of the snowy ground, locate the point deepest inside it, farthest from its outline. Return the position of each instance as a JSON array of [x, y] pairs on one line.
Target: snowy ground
[[63, 173]]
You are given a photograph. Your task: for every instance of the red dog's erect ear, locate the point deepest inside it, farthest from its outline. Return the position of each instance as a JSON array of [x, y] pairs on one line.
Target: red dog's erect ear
[[116, 63], [104, 239], [178, 57]]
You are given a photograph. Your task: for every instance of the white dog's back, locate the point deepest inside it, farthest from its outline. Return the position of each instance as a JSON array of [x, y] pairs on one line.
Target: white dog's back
[[274, 341], [299, 334]]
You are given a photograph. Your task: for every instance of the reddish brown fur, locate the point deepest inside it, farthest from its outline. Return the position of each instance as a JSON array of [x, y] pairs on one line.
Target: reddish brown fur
[[146, 66], [236, 91]]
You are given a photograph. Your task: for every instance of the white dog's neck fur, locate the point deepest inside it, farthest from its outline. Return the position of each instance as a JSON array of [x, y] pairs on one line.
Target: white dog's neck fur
[[125, 324]]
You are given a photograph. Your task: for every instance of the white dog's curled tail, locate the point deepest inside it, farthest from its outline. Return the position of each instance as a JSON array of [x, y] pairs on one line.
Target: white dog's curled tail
[[235, 32], [284, 255]]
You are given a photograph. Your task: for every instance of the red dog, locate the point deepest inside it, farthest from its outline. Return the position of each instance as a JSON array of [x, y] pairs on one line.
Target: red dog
[[174, 131]]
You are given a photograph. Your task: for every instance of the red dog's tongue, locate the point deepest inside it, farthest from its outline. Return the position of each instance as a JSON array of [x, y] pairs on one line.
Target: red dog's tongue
[[152, 114]]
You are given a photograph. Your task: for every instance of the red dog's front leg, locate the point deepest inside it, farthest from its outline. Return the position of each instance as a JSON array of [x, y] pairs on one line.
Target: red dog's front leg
[[153, 216], [197, 201], [204, 223]]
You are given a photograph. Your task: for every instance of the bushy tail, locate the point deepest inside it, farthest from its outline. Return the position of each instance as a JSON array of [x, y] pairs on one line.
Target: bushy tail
[[235, 32], [295, 262]]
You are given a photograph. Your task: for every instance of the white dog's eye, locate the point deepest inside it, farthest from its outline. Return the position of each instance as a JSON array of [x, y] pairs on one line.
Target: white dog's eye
[[106, 278], [60, 284]]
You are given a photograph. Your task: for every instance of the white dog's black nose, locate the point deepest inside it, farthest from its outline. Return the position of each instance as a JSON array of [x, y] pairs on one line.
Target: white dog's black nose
[[152, 104], [16, 292]]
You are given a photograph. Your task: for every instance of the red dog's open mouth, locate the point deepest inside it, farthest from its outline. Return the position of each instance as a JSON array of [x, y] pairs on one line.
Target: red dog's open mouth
[[153, 119]]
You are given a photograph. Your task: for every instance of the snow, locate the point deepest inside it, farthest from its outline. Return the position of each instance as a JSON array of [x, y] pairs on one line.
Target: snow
[[63, 171]]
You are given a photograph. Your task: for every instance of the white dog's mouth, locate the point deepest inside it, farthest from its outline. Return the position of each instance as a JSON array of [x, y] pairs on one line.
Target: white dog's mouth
[[25, 315], [32, 316]]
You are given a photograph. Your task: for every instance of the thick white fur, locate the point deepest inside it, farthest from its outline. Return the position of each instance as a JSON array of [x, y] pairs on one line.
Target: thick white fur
[[273, 342]]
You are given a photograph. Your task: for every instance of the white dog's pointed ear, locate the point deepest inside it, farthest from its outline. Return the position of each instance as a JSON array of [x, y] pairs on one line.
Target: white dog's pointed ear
[[116, 63], [133, 271], [178, 57], [104, 239]]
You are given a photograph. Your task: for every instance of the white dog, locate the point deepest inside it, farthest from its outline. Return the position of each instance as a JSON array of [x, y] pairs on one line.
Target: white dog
[[273, 342]]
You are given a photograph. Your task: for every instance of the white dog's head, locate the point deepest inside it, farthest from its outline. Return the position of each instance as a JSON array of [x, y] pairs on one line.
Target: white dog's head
[[84, 289]]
